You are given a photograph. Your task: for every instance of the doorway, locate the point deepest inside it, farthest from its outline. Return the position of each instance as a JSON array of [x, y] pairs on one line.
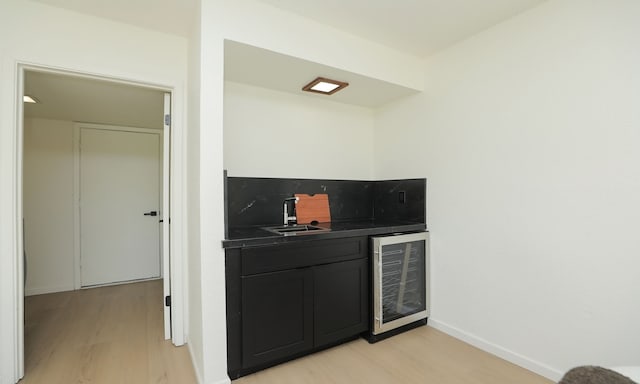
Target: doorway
[[63, 99]]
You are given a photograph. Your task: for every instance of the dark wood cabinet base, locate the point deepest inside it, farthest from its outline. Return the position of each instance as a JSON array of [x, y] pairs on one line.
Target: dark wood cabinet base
[[237, 373], [290, 300]]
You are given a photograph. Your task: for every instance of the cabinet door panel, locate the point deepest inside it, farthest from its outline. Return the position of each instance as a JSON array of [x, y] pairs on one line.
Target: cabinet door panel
[[277, 315], [341, 298]]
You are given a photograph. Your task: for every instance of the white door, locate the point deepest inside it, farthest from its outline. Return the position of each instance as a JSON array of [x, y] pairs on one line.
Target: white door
[[119, 205], [165, 235]]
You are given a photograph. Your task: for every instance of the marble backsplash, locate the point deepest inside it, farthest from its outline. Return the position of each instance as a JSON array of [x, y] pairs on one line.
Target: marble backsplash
[[253, 201]]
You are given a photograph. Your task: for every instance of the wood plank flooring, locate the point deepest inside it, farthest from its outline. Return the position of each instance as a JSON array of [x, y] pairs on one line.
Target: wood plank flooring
[[115, 335], [102, 335], [422, 355]]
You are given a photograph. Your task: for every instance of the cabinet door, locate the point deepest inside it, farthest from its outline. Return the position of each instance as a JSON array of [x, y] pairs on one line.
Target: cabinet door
[[341, 297], [277, 315]]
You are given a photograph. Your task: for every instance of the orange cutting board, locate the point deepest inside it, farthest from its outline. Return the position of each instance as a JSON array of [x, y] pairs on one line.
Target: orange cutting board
[[313, 208]]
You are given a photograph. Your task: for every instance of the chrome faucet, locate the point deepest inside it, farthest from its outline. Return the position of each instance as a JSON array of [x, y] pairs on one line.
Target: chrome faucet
[[288, 218]]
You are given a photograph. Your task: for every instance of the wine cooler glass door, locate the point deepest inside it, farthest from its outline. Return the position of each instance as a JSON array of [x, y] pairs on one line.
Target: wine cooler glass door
[[400, 273]]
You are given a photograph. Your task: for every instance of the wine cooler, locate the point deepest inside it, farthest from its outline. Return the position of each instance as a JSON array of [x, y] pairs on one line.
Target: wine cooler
[[400, 283]]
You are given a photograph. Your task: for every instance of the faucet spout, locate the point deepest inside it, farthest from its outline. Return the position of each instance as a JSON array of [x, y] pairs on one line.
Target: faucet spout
[[287, 217]]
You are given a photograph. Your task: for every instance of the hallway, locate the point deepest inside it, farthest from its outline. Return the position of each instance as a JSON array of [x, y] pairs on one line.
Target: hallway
[[102, 335]]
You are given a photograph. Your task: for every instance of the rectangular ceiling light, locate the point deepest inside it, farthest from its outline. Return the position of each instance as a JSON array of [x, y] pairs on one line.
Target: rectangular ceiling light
[[324, 86], [29, 99]]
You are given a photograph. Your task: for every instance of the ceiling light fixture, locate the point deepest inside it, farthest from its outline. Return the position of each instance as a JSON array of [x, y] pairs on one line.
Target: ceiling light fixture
[[324, 86], [29, 99]]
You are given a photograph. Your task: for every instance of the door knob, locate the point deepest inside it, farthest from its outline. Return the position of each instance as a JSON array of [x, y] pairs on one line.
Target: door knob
[[151, 213]]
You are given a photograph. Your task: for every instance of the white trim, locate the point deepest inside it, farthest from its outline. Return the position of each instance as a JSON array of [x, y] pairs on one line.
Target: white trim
[[19, 216], [177, 210], [631, 372], [121, 128], [43, 68], [494, 349], [77, 281], [51, 289], [196, 369], [101, 285], [11, 281], [14, 156], [199, 377], [223, 381], [165, 212]]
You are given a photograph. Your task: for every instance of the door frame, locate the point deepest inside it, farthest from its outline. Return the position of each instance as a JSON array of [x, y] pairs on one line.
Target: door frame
[[177, 165], [77, 255]]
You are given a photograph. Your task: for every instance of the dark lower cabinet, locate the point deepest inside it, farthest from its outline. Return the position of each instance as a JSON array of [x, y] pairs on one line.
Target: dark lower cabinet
[[284, 301], [340, 293], [277, 315]]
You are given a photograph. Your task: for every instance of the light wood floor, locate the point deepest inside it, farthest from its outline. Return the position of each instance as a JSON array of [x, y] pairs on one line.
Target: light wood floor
[[102, 335], [115, 335], [423, 355]]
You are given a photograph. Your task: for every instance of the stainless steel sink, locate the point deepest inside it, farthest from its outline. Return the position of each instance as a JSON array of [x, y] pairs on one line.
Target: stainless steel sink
[[288, 230]]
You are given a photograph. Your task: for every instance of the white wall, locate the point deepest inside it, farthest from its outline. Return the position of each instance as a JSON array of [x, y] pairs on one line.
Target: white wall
[[276, 134], [194, 293], [528, 134], [256, 24], [38, 34], [261, 25], [48, 205], [213, 366]]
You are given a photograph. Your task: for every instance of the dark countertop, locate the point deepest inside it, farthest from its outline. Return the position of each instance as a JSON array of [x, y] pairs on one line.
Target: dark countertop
[[255, 236]]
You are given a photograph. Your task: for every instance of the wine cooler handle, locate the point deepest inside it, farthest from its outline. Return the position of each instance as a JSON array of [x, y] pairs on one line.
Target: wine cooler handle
[[380, 311]]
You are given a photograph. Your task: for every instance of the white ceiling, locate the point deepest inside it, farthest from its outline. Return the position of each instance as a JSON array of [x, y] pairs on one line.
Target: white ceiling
[[416, 27], [171, 16], [81, 99], [289, 74]]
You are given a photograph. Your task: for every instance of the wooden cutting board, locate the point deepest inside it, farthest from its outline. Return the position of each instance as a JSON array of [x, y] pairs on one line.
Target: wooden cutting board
[[313, 208]]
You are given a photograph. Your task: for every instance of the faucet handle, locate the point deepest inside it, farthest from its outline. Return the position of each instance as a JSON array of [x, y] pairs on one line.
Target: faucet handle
[[287, 217]]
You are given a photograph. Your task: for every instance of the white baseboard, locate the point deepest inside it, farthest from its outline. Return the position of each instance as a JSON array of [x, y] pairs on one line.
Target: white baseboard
[[196, 368], [494, 349], [222, 381], [30, 291]]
